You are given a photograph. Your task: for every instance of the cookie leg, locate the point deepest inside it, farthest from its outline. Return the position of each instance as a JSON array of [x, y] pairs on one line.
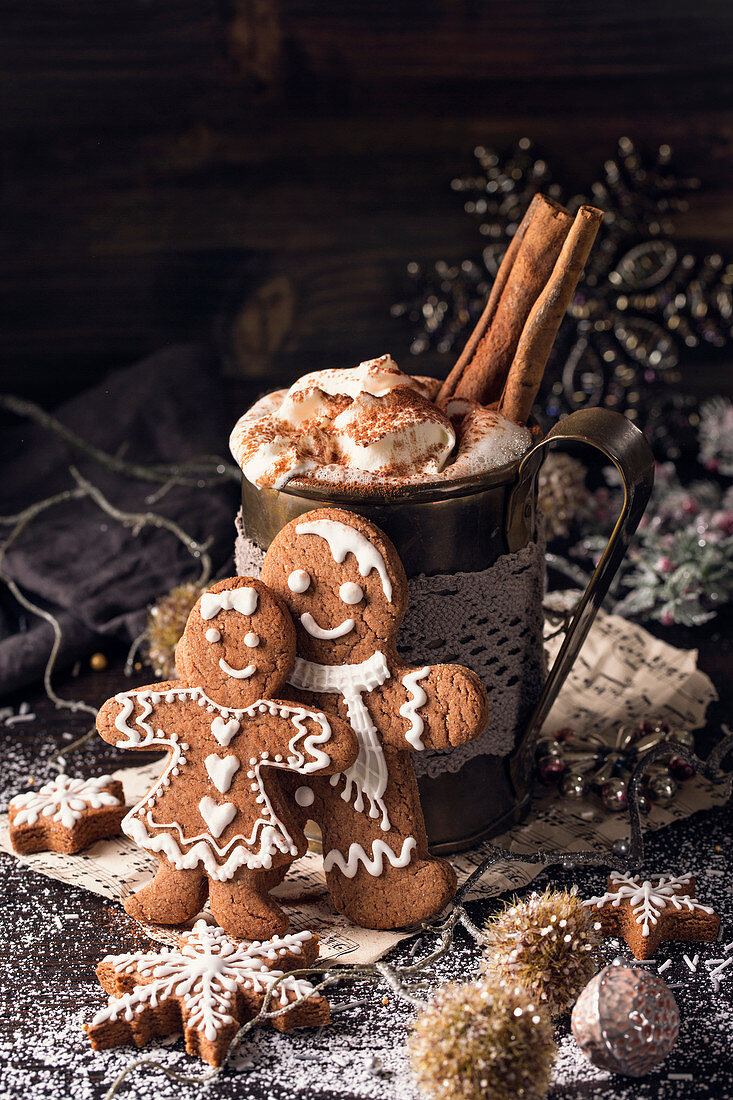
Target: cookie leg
[[172, 897], [243, 907], [382, 879]]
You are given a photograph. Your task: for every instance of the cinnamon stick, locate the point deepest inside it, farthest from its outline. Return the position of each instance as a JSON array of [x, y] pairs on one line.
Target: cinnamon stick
[[481, 371], [540, 330], [448, 389]]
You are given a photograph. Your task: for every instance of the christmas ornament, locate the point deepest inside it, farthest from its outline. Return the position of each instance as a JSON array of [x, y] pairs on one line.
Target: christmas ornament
[[210, 986], [602, 763], [166, 621], [626, 1020], [646, 912], [642, 300], [545, 944], [481, 1042]]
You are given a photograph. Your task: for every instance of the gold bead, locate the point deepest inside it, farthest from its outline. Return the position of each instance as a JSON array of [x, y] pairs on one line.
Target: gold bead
[[98, 662]]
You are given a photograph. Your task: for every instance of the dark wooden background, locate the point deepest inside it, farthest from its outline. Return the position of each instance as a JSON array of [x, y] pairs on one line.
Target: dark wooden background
[[260, 172]]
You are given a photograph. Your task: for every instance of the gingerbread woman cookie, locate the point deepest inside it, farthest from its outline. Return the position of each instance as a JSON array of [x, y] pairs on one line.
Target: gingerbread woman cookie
[[215, 819], [346, 589]]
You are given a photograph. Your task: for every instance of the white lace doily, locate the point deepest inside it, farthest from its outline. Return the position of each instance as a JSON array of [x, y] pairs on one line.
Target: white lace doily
[[490, 621]]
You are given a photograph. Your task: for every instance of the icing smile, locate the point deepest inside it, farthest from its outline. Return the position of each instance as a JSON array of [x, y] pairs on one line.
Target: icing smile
[[237, 673], [317, 631]]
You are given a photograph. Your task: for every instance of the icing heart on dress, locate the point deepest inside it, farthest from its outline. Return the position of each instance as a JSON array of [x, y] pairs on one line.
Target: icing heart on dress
[[216, 817], [221, 770], [224, 731]]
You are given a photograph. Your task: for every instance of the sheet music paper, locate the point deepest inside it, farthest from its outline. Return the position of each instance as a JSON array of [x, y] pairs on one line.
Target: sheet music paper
[[622, 675]]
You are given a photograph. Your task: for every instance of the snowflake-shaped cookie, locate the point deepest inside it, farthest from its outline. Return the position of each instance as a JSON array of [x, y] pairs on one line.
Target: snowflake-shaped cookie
[[208, 987], [66, 815], [647, 911]]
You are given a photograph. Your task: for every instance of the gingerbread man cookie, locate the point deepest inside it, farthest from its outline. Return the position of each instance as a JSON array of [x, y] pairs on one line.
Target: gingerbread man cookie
[[347, 592], [66, 815], [215, 819]]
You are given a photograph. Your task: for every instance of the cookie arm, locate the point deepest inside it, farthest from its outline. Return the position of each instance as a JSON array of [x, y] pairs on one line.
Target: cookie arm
[[436, 707], [128, 718], [317, 743]]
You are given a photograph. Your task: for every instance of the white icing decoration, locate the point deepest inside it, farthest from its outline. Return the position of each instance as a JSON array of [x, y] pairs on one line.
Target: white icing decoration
[[343, 540], [317, 631], [243, 600], [224, 730], [268, 835], [208, 972], [251, 640], [374, 865], [213, 635], [237, 673], [304, 796], [216, 816], [647, 899], [299, 581], [64, 800], [221, 770], [368, 775], [409, 710], [351, 593]]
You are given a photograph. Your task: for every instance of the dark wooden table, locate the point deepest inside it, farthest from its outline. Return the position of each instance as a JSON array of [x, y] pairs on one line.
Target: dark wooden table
[[54, 935]]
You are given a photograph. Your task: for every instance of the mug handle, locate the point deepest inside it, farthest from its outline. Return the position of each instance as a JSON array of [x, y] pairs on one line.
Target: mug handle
[[619, 441]]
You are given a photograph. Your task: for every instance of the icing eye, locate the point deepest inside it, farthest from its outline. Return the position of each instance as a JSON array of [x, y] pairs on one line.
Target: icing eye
[[299, 581], [212, 635], [351, 593], [251, 640]]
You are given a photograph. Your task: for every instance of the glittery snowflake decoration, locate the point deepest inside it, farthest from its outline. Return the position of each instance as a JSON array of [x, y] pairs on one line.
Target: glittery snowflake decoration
[[209, 987], [641, 302]]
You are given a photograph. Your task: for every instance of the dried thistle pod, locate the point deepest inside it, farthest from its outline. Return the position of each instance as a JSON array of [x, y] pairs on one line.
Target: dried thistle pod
[[481, 1042], [164, 627], [546, 944]]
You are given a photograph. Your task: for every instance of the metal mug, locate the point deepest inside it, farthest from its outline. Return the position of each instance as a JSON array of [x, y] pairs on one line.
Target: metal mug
[[465, 526]]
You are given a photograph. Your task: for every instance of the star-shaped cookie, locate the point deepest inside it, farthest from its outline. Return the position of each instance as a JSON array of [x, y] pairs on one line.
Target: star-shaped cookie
[[208, 987], [648, 911], [66, 815]]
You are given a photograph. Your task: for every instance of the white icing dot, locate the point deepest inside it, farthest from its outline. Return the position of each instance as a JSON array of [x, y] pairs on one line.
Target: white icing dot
[[304, 796], [251, 640], [351, 593], [262, 708], [212, 634], [299, 581]]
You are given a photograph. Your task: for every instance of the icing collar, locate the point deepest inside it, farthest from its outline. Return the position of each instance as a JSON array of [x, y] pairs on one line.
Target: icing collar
[[343, 679]]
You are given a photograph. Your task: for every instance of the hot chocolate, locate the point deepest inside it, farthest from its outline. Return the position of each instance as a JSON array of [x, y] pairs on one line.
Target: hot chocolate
[[370, 425]]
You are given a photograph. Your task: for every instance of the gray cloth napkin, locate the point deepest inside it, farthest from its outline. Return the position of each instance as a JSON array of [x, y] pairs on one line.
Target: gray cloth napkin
[[89, 570]]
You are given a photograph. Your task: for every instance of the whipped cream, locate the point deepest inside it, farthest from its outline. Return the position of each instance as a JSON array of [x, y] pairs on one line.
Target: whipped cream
[[370, 424]]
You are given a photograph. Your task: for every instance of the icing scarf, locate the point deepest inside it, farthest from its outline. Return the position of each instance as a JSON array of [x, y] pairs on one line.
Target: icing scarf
[[368, 775]]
